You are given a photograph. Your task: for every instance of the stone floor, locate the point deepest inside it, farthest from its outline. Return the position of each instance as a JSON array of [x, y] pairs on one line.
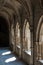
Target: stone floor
[[8, 58]]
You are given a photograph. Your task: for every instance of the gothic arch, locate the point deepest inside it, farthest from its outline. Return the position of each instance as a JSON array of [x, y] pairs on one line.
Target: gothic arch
[[18, 33], [4, 15], [9, 17], [18, 38], [26, 36], [11, 7], [38, 27], [15, 8], [27, 7], [38, 54]]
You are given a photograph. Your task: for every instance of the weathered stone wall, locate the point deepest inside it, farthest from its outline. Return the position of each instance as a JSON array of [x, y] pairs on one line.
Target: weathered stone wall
[[17, 11]]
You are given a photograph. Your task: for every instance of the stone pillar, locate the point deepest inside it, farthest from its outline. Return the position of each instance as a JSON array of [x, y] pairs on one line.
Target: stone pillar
[[21, 41], [10, 36], [14, 41], [31, 34], [32, 47], [35, 51], [15, 38]]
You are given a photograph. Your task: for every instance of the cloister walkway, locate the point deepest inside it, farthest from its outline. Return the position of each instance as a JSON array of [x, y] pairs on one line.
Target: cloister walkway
[[8, 58]]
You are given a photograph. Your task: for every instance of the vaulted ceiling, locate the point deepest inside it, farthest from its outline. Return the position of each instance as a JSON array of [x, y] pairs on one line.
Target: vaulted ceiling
[[11, 9]]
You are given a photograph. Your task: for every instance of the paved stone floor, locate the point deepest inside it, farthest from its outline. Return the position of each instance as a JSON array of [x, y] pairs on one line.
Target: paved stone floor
[[8, 58]]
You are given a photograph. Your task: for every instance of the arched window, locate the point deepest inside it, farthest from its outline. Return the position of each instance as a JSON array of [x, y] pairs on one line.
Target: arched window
[[41, 43], [17, 34], [26, 36]]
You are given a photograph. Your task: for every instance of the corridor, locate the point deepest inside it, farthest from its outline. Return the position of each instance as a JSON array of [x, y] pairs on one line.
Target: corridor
[[21, 32], [8, 58]]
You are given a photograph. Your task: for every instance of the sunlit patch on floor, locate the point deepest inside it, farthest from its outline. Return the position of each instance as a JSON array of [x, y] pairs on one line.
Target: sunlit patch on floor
[[10, 59], [6, 53]]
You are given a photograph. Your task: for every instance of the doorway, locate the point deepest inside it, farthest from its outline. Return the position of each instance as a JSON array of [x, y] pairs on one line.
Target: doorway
[[4, 32]]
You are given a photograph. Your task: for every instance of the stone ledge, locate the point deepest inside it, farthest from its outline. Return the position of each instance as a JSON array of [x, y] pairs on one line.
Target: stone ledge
[[41, 61], [18, 46], [27, 52]]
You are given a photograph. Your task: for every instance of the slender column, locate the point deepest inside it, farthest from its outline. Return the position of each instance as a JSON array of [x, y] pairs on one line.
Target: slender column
[[31, 33], [21, 42], [15, 38]]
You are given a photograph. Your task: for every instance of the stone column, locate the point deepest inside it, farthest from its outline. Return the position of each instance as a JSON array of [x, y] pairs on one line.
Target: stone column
[[21, 41], [15, 38], [32, 46], [35, 51], [31, 34]]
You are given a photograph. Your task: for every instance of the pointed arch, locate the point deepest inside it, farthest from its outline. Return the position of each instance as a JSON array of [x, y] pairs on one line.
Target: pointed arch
[[26, 36], [17, 34], [39, 37], [38, 27]]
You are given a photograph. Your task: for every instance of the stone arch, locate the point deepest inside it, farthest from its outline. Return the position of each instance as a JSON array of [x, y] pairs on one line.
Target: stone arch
[[38, 55], [12, 37], [5, 15], [18, 39], [41, 42], [9, 14], [25, 35], [9, 17], [30, 10], [11, 8], [26, 5], [15, 8], [38, 27], [18, 32]]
